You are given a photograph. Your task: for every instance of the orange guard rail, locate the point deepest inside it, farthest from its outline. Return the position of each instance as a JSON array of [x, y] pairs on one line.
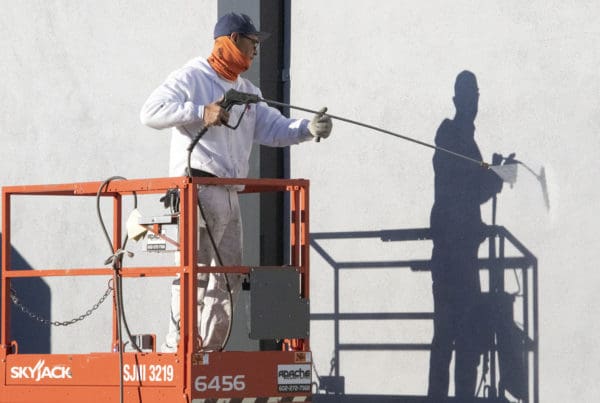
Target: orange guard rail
[[188, 375]]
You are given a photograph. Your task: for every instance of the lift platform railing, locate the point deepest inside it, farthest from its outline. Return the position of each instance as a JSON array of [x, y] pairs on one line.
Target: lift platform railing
[[188, 375]]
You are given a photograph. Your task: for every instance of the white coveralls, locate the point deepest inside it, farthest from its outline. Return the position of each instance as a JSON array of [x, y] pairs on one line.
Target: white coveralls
[[178, 104]]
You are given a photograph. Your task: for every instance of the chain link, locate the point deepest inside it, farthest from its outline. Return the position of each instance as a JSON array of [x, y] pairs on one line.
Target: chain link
[[36, 316]]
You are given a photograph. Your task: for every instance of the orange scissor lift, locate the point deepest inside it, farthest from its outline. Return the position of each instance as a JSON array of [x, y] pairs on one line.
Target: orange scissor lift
[[188, 375]]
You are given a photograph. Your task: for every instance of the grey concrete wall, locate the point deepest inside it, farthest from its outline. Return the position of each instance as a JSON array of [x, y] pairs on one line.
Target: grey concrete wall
[[75, 75], [392, 64]]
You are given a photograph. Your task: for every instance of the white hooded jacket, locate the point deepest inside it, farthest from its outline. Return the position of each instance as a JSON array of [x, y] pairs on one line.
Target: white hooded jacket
[[179, 103]]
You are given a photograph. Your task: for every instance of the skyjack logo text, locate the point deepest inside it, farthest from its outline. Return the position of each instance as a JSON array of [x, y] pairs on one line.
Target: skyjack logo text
[[41, 371]]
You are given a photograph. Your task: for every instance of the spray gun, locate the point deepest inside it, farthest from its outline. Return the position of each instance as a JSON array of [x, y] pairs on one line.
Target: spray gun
[[231, 98]]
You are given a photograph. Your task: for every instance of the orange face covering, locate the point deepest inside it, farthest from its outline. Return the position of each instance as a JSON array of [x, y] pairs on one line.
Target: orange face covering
[[227, 60]]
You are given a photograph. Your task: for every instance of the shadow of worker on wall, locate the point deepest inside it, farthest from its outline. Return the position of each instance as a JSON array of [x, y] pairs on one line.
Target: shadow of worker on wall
[[461, 187]]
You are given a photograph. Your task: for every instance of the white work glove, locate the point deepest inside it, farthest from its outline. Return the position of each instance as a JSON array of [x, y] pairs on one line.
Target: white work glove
[[320, 125]]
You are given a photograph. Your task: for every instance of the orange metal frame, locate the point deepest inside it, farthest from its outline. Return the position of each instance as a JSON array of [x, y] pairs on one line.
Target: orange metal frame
[[189, 375]]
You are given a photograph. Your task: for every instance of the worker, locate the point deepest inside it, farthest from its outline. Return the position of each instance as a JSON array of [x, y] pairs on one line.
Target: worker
[[457, 231], [187, 102]]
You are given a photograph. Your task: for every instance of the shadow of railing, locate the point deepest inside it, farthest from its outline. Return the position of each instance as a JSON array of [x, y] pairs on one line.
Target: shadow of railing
[[505, 379], [33, 336]]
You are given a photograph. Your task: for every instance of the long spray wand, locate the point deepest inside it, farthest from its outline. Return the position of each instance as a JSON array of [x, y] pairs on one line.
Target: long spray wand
[[233, 97]]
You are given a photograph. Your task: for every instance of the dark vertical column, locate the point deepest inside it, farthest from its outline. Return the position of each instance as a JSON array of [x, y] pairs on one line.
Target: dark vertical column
[[272, 160], [272, 72]]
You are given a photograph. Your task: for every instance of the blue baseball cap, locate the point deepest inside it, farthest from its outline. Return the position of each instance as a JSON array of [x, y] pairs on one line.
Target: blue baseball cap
[[241, 23]]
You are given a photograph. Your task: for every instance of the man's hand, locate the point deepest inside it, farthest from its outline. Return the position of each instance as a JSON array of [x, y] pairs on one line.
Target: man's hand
[[214, 115], [320, 126]]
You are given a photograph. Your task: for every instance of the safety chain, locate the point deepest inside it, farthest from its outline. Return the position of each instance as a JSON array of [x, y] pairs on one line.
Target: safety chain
[[36, 316]]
